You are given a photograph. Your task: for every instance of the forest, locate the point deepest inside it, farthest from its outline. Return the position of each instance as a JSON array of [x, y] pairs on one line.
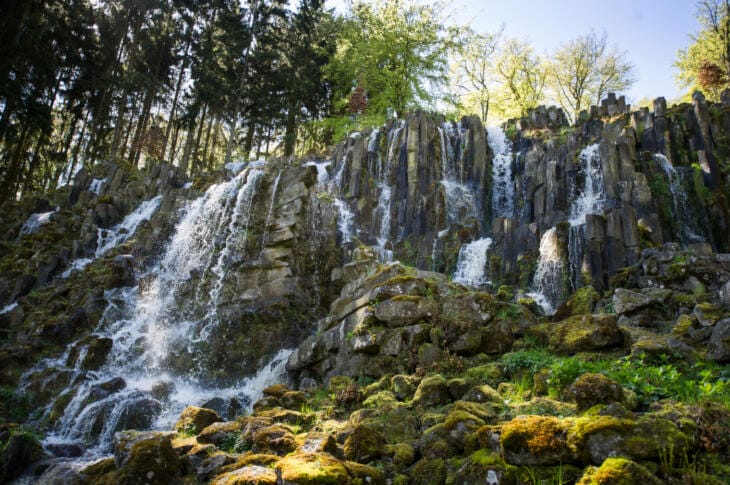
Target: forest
[[200, 83]]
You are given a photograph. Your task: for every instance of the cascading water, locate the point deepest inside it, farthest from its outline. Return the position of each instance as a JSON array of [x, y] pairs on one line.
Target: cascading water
[[682, 210], [144, 382], [385, 199], [547, 282], [460, 199], [108, 239], [471, 268], [35, 221], [96, 185], [588, 198], [322, 174], [503, 191]]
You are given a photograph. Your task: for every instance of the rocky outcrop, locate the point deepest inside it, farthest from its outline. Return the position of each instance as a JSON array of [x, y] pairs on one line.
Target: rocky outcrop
[[395, 319]]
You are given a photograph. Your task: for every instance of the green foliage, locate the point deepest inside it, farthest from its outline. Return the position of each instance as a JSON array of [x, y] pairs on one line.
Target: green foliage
[[651, 379], [395, 50]]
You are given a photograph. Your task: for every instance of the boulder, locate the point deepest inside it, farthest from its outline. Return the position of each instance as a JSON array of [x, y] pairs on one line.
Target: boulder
[[432, 391], [364, 444], [585, 333], [590, 389], [312, 469], [404, 310], [536, 440], [618, 471], [718, 348], [247, 475], [21, 450], [194, 419], [146, 458]]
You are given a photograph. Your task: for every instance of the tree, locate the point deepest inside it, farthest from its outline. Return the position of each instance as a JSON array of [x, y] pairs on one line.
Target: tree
[[522, 75], [705, 64], [472, 71], [396, 49], [583, 70]]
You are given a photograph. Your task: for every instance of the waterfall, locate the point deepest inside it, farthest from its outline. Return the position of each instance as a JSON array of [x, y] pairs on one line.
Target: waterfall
[[35, 221], [547, 283], [503, 191], [385, 200], [471, 267], [344, 220], [460, 199], [152, 370], [322, 174], [108, 239], [682, 210], [96, 185], [588, 198]]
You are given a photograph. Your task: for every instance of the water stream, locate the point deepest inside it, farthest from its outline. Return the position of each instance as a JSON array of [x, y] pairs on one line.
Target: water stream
[[143, 383]]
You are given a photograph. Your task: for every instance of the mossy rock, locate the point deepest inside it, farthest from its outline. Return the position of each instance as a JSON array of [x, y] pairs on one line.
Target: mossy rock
[[313, 469], [146, 457], [585, 333], [219, 432], [491, 374], [276, 390], [403, 386], [384, 400], [590, 389], [247, 475], [274, 440], [432, 391], [619, 471], [484, 466], [483, 394], [194, 419], [21, 450], [428, 471], [582, 302], [536, 440], [654, 436], [364, 475], [402, 454], [364, 444]]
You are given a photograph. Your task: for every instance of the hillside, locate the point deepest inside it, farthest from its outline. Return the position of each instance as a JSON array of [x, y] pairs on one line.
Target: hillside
[[436, 302]]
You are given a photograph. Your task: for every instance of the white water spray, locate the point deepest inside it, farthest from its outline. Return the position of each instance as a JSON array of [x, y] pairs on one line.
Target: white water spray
[[503, 191], [471, 268]]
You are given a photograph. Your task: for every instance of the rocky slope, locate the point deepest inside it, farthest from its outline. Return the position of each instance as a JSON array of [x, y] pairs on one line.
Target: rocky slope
[[459, 304]]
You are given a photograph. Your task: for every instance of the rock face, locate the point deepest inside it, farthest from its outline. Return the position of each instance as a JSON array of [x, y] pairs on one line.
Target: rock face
[[191, 288], [394, 319], [420, 189]]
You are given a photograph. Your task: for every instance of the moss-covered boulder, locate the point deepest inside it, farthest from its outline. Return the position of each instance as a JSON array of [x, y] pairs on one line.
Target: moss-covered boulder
[[220, 432], [432, 391], [585, 333], [536, 440], [274, 440], [582, 302], [313, 469], [619, 471], [20, 450], [194, 419], [364, 444], [364, 474], [428, 471], [402, 310], [590, 389], [146, 458], [248, 475]]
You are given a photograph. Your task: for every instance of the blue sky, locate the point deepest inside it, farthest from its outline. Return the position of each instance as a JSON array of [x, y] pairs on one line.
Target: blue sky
[[650, 31]]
